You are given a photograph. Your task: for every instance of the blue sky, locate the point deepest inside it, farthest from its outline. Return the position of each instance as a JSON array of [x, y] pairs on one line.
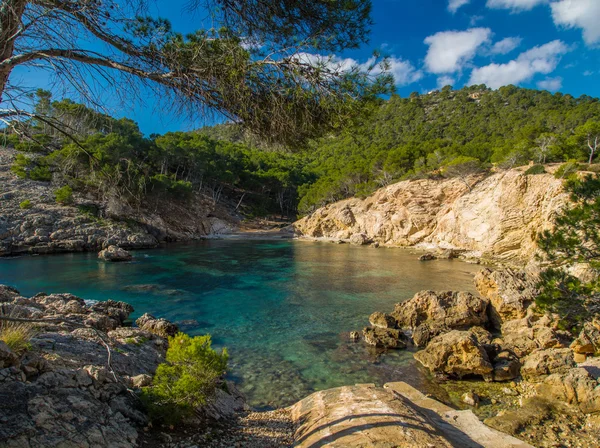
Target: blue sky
[[545, 44]]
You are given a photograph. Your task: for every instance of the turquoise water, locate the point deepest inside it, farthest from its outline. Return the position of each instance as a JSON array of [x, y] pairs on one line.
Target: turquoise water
[[282, 308]]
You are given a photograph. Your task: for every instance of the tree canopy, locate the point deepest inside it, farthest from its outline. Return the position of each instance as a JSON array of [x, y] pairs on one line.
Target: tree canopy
[[248, 66]]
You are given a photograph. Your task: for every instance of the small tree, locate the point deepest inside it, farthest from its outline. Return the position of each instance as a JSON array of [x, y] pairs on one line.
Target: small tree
[[588, 137], [574, 239], [545, 145], [463, 167], [187, 380]]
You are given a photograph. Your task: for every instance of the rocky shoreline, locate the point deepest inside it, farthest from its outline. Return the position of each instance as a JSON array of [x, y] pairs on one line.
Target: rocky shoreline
[[496, 220], [552, 375], [31, 222]]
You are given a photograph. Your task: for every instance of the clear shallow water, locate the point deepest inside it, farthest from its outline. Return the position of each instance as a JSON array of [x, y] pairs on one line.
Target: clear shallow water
[[282, 308]]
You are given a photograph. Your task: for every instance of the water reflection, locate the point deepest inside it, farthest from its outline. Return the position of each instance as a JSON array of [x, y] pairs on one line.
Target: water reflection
[[283, 308]]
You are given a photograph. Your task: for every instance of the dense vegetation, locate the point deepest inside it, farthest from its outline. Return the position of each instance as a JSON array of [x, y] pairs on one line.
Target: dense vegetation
[[445, 133], [574, 240]]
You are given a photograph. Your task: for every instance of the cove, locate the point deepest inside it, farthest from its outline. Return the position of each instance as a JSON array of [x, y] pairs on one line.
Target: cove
[[283, 308]]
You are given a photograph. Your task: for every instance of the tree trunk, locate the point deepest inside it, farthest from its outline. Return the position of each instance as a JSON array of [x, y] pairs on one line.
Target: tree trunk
[[11, 13]]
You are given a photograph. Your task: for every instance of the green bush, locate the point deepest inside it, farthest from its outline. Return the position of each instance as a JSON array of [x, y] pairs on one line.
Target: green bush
[[64, 195], [535, 169], [41, 173], [25, 204], [566, 170], [21, 165], [188, 379]]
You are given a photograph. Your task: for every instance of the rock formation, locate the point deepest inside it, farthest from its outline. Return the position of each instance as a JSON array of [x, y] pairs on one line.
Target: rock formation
[[47, 227], [114, 253], [498, 219]]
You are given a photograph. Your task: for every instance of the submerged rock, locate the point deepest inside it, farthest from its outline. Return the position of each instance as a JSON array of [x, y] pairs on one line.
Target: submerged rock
[[384, 337], [114, 253]]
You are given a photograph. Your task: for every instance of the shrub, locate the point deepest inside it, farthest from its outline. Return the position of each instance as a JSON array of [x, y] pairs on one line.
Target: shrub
[[535, 169], [64, 195], [21, 165], [25, 204], [567, 169], [40, 173], [188, 379]]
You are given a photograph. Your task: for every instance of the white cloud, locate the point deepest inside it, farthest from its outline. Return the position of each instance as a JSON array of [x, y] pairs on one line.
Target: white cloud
[[449, 51], [543, 59], [551, 84], [515, 5], [455, 5], [588, 73], [473, 21], [444, 81], [403, 71], [506, 45], [584, 14]]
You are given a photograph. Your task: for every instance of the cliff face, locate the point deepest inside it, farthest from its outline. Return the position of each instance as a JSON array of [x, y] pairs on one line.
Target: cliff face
[[47, 227], [499, 218]]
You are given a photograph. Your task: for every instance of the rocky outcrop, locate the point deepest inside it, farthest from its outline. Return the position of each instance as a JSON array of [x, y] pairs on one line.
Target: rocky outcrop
[[160, 327], [445, 309], [588, 341], [542, 363], [456, 353], [47, 227], [114, 253], [499, 218], [510, 293], [63, 392], [384, 337]]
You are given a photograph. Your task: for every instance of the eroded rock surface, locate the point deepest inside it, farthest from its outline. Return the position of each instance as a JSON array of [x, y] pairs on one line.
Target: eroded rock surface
[[47, 227], [499, 218], [62, 392], [114, 253]]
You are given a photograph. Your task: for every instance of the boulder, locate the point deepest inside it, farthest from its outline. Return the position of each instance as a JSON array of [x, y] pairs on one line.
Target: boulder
[[382, 320], [506, 366], [449, 309], [142, 380], [7, 357], [8, 293], [588, 341], [456, 353], [510, 293], [541, 363], [426, 332], [427, 257], [523, 336], [160, 327], [359, 239], [62, 303], [119, 311], [471, 398], [114, 253], [384, 337], [576, 387]]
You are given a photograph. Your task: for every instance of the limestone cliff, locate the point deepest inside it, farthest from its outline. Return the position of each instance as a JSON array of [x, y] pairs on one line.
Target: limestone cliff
[[498, 218]]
